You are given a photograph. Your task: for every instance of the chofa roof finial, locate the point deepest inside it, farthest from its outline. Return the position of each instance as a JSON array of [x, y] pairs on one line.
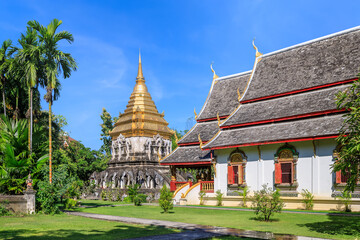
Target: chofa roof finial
[[215, 76], [258, 54]]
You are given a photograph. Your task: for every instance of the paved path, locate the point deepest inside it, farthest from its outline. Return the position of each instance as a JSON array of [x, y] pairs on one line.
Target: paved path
[[193, 231]]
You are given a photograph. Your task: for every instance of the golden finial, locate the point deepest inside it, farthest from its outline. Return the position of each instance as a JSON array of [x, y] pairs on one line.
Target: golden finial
[[239, 95], [200, 141], [258, 54], [218, 118], [215, 76], [140, 74], [195, 114]]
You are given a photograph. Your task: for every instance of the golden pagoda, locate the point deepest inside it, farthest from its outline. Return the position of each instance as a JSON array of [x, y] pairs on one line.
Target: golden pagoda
[[141, 117]]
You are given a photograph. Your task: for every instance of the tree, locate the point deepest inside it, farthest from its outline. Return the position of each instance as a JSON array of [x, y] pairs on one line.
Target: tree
[[106, 127], [266, 202], [165, 201], [349, 138], [5, 56], [55, 62]]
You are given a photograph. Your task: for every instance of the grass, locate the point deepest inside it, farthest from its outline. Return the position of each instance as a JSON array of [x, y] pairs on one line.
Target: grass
[[99, 203], [325, 226], [64, 226]]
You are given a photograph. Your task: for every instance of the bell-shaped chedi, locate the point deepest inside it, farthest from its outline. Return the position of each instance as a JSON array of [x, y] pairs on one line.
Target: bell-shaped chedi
[[141, 117]]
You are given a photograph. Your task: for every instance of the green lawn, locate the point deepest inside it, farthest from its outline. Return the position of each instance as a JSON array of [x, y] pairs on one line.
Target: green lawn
[[99, 202], [334, 227], [63, 226]]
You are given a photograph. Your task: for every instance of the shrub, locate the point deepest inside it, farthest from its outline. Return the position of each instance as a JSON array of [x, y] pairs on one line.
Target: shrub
[[219, 197], [165, 201], [127, 199], [48, 197], [345, 199], [4, 211], [308, 199], [266, 202], [133, 191], [202, 195], [71, 203], [244, 193], [103, 195]]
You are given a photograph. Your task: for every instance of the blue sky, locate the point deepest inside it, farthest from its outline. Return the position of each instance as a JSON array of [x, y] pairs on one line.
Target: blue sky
[[178, 42]]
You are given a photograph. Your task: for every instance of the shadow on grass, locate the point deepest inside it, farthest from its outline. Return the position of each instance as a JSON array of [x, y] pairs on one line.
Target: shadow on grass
[[336, 225], [169, 212], [120, 232], [262, 219]]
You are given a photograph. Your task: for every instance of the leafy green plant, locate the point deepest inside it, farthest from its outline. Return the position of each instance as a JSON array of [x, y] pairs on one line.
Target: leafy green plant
[[165, 201], [244, 192], [266, 202], [133, 193], [345, 199], [202, 195], [308, 199], [70, 203], [219, 197], [103, 195], [4, 211]]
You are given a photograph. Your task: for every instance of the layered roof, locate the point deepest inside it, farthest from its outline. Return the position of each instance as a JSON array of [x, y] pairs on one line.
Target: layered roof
[[291, 95], [321, 61], [223, 96], [206, 130], [306, 104], [141, 117], [188, 154], [296, 130]]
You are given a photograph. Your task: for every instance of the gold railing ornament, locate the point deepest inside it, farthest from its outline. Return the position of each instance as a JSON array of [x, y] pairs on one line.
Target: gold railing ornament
[[200, 141], [214, 76], [257, 54], [195, 114]]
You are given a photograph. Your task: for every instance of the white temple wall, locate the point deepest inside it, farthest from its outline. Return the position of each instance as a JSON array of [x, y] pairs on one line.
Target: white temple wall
[[313, 172]]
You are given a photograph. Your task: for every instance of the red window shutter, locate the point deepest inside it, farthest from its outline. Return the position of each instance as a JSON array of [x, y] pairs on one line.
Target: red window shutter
[[338, 177], [230, 175], [277, 173], [241, 174]]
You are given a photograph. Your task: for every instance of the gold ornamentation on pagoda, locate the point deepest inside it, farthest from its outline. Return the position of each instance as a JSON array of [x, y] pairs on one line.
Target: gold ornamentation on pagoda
[[195, 114], [141, 117], [214, 76], [159, 156]]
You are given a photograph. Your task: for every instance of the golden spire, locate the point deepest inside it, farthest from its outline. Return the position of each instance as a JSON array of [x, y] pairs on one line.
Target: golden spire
[[140, 74], [258, 54], [215, 76], [141, 117]]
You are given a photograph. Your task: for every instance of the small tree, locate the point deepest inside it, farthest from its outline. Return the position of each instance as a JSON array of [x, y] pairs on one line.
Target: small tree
[[308, 199], [266, 202], [133, 192], [244, 193], [202, 195], [345, 199], [219, 197], [165, 200]]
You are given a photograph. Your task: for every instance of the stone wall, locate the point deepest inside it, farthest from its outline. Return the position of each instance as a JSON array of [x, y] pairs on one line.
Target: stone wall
[[21, 203]]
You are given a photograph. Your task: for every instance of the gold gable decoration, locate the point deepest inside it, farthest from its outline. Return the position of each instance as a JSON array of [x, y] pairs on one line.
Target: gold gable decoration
[[141, 117]]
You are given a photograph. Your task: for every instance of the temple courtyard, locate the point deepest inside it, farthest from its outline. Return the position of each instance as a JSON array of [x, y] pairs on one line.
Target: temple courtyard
[[316, 224]]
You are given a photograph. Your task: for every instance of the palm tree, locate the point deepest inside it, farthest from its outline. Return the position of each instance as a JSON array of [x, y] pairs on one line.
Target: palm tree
[[55, 62], [5, 55], [29, 58]]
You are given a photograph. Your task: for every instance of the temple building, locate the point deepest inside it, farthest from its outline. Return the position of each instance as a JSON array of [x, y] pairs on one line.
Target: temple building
[[275, 125], [140, 138]]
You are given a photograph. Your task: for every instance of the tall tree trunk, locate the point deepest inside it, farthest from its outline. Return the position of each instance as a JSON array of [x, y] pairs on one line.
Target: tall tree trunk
[[3, 95], [50, 144], [29, 127], [31, 118]]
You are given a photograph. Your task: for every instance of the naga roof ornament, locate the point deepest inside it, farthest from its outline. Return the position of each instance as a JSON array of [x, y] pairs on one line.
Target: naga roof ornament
[[257, 54], [214, 76]]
